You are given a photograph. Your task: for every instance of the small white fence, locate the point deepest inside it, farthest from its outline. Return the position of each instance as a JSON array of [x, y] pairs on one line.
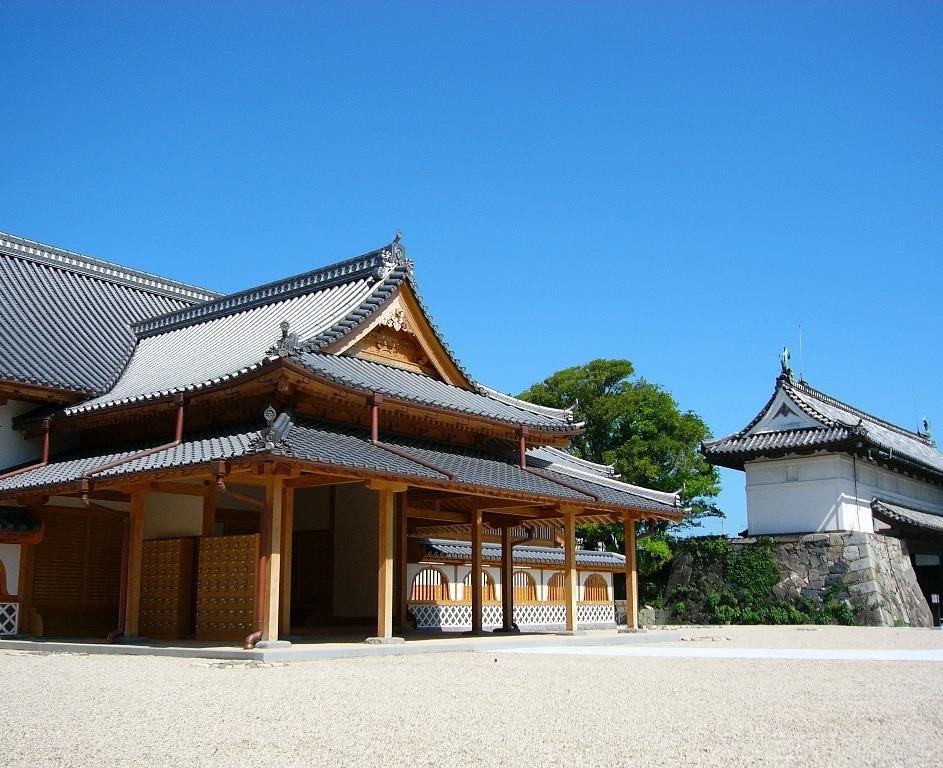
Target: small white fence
[[455, 617]]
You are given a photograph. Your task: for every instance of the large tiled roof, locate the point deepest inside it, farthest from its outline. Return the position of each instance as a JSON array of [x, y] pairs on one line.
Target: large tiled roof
[[832, 424], [524, 554], [65, 318], [347, 448], [222, 340], [897, 514]]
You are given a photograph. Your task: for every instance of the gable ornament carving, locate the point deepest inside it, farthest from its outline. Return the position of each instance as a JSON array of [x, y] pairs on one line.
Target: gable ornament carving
[[396, 318]]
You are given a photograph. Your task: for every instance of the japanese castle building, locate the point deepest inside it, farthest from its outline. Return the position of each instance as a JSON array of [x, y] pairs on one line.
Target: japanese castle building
[[815, 464], [303, 457]]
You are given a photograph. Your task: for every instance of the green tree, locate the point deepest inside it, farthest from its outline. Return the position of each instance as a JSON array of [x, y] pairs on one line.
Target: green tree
[[636, 426]]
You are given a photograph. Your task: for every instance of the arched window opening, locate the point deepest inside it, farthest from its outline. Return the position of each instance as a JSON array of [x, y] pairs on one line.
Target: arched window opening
[[595, 589], [430, 586], [489, 593], [556, 589], [525, 588]]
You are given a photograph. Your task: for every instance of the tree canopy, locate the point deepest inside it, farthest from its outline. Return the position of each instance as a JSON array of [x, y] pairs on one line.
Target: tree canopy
[[637, 426]]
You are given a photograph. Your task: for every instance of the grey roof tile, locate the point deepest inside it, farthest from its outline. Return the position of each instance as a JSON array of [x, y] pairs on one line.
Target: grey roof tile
[[224, 347], [65, 321], [598, 479], [896, 513], [524, 554], [489, 470], [370, 376]]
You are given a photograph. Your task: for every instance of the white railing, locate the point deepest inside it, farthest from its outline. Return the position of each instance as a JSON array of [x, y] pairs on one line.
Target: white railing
[[457, 616]]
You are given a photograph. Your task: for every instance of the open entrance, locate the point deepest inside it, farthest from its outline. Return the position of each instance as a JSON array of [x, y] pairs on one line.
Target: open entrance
[[334, 560]]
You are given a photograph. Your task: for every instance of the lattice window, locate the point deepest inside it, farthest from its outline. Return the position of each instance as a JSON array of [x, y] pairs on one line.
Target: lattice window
[[595, 589], [9, 614], [596, 613], [430, 585], [556, 589], [489, 592], [525, 588]]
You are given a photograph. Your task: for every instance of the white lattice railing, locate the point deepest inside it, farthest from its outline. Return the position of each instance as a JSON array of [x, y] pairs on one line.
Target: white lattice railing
[[456, 616], [9, 618]]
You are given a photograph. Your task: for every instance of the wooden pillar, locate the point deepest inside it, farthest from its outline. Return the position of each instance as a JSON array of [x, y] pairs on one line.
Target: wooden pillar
[[288, 526], [387, 522], [209, 509], [273, 508], [507, 578], [402, 581], [25, 588], [631, 575], [476, 570], [571, 584], [132, 610]]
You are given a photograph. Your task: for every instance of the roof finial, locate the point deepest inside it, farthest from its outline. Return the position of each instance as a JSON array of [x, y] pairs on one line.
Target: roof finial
[[397, 237], [784, 359], [926, 429], [288, 344]]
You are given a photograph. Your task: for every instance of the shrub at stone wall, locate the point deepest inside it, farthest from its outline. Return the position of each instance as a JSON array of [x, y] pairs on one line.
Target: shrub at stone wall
[[716, 581]]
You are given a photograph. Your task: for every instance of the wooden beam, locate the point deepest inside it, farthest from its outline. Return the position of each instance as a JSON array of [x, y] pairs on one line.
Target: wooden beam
[[386, 485], [313, 481], [631, 575], [440, 515], [182, 489], [571, 584], [476, 570], [273, 501], [209, 509], [507, 578], [288, 527], [495, 505], [132, 613], [386, 532]]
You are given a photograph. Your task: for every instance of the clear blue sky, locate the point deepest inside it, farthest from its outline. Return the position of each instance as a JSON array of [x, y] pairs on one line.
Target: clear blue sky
[[678, 184]]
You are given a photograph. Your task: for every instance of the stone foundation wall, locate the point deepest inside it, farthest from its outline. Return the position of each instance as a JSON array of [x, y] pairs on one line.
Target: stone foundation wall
[[880, 582]]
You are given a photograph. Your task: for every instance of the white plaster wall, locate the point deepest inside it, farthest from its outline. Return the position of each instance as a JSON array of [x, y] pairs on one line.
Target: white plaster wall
[[826, 492], [10, 557], [355, 551], [170, 516], [13, 448]]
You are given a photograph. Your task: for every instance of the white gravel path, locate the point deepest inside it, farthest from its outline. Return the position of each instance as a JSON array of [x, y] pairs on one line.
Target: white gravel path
[[484, 709]]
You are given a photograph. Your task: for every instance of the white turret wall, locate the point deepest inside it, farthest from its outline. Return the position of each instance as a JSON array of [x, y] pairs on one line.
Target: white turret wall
[[827, 492]]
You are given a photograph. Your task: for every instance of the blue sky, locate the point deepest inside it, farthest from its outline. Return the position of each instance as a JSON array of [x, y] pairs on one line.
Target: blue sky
[[679, 184]]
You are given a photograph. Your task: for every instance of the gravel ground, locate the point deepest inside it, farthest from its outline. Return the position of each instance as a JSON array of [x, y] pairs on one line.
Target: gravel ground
[[484, 708]]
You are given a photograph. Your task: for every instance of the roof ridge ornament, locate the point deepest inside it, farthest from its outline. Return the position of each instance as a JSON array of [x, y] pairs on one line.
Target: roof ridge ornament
[[274, 436], [784, 359], [289, 343], [391, 257]]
